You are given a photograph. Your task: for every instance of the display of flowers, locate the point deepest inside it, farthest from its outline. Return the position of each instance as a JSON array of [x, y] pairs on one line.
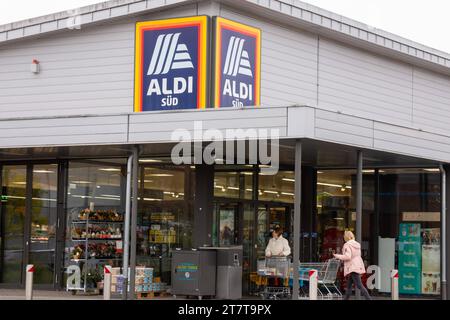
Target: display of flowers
[[97, 232], [95, 251], [100, 215]]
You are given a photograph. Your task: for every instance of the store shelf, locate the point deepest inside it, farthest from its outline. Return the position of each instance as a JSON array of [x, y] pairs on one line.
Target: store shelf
[[95, 259], [96, 222], [97, 239]]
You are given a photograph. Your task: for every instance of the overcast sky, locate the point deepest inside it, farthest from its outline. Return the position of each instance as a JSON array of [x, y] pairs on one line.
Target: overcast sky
[[424, 21]]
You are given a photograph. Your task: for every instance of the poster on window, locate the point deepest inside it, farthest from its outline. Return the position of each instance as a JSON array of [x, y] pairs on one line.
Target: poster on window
[[431, 260], [226, 226], [409, 258]]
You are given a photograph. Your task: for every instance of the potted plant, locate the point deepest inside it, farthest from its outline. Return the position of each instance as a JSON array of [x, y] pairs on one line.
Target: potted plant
[[94, 279]]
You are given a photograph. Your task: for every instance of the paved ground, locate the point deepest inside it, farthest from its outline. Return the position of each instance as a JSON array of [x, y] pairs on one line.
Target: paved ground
[[19, 294]]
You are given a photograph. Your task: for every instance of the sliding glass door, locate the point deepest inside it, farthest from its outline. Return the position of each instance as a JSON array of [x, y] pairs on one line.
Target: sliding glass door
[[28, 222], [13, 208]]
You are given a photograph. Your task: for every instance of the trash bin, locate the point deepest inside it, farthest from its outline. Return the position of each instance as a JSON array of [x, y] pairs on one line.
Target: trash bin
[[229, 272], [194, 272]]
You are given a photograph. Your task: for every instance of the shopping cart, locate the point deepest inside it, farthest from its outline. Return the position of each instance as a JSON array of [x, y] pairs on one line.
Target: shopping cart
[[326, 279], [275, 269]]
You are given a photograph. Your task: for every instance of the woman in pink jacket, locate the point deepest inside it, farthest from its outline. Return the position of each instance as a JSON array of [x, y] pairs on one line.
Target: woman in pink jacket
[[353, 265]]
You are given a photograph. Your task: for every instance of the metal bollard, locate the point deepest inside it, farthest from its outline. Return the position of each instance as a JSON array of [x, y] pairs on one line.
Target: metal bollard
[[107, 282], [29, 282], [312, 284], [394, 284]]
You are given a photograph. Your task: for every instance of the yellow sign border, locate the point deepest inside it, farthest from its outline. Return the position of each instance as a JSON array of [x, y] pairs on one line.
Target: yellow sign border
[[239, 27], [202, 21]]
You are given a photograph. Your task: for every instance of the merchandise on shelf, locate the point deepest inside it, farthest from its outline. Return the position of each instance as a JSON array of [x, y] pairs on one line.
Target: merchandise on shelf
[[100, 215], [107, 250], [97, 237], [96, 232], [144, 281], [157, 235]]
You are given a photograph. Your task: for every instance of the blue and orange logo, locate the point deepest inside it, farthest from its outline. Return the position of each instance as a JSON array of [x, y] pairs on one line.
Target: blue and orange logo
[[237, 64], [170, 64]]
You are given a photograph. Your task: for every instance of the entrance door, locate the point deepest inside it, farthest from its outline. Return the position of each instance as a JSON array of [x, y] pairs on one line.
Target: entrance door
[[28, 223], [12, 231], [268, 218]]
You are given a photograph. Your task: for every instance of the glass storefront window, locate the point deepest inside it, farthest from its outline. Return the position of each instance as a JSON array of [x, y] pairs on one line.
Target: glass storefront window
[[334, 214], [277, 188], [409, 201], [226, 184], [43, 222], [234, 184], [95, 217], [165, 215], [248, 229], [262, 231], [400, 220], [162, 184]]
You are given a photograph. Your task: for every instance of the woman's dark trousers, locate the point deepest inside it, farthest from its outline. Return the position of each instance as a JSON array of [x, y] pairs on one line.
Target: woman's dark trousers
[[356, 279]]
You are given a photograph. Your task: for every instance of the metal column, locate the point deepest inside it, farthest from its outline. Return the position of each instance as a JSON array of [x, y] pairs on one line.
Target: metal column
[[443, 233], [203, 205], [126, 234], [134, 209], [359, 195], [297, 217]]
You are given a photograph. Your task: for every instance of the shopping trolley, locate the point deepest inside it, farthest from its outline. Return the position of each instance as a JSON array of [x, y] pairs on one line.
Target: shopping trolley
[[326, 279], [271, 269]]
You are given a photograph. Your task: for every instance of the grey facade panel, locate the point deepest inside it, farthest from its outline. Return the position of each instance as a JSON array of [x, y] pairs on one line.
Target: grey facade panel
[[63, 131], [159, 126], [288, 62], [431, 101], [359, 83], [86, 71], [343, 129], [411, 142]]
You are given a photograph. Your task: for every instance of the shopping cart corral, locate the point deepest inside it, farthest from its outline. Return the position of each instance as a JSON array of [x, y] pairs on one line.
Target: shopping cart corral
[[275, 270], [326, 279]]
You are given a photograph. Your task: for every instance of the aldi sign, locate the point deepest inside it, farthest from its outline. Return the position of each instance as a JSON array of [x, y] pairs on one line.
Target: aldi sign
[[237, 64], [171, 64]]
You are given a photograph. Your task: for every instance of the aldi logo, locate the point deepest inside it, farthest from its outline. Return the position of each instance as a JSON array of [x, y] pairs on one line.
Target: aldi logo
[[237, 64], [237, 60], [170, 55], [170, 64]]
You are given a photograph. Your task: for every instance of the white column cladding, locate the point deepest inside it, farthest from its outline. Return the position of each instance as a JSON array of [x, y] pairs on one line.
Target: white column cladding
[[444, 293], [297, 216], [134, 205], [359, 186], [210, 8], [126, 235]]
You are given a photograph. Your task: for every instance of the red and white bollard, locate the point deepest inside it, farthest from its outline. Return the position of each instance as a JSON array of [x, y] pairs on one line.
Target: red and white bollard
[[107, 270], [312, 284], [394, 284], [29, 282]]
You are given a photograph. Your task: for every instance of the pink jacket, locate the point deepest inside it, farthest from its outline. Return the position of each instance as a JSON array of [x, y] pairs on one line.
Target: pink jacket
[[352, 258]]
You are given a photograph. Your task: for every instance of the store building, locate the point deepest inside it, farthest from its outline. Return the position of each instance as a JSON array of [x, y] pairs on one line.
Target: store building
[[363, 120]]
